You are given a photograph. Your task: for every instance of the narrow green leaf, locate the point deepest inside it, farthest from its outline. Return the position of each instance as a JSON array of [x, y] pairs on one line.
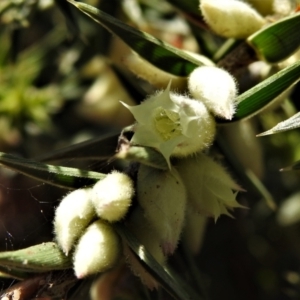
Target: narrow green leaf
[[187, 6], [5, 273], [277, 41], [145, 155], [171, 284], [157, 52], [103, 147], [39, 258], [267, 196], [257, 98], [289, 124], [64, 177], [294, 167]]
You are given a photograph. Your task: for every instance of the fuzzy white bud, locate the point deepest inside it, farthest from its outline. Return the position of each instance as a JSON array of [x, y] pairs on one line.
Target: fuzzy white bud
[[97, 250], [173, 124], [209, 187], [73, 214], [231, 18], [162, 196], [216, 88], [112, 196]]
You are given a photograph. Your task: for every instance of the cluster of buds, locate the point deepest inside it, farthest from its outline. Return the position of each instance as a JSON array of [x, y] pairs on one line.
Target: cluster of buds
[[173, 203], [82, 223], [194, 187]]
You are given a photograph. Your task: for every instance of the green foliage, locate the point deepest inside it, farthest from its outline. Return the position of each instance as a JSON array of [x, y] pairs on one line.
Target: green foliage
[[39, 77]]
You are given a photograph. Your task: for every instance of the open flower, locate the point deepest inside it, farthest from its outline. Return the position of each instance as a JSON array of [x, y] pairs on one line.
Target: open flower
[[173, 124]]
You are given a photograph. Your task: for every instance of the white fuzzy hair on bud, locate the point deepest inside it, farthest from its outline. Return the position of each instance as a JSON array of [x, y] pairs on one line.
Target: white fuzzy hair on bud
[[231, 18], [112, 196], [162, 196], [97, 250], [73, 214], [173, 124], [216, 88]]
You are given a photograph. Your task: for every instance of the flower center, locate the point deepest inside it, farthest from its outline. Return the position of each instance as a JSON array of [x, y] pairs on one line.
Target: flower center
[[167, 123]]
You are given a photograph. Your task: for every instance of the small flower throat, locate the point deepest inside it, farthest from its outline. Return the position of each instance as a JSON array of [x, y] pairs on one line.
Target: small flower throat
[[167, 123]]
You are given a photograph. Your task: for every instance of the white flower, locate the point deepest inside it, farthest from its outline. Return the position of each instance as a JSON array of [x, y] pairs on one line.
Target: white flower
[[209, 187], [173, 124]]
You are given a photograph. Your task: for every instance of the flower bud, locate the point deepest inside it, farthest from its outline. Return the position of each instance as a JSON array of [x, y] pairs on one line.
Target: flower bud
[[231, 18], [162, 196], [73, 214], [97, 250], [173, 124], [112, 196], [216, 88], [209, 187]]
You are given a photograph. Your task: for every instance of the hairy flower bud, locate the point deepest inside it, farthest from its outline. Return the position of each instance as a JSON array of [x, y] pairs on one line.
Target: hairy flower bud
[[162, 196], [97, 250], [173, 124], [216, 88], [73, 214], [112, 196], [209, 187], [231, 18]]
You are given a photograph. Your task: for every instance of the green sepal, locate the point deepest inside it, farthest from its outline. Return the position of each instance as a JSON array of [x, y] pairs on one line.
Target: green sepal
[[38, 258]]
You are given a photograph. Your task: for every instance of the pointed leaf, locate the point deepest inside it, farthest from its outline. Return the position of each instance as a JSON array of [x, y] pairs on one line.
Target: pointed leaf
[[294, 167], [157, 52], [100, 148], [5, 273], [289, 124], [177, 289], [188, 6], [257, 98], [55, 175], [39, 258], [277, 41]]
